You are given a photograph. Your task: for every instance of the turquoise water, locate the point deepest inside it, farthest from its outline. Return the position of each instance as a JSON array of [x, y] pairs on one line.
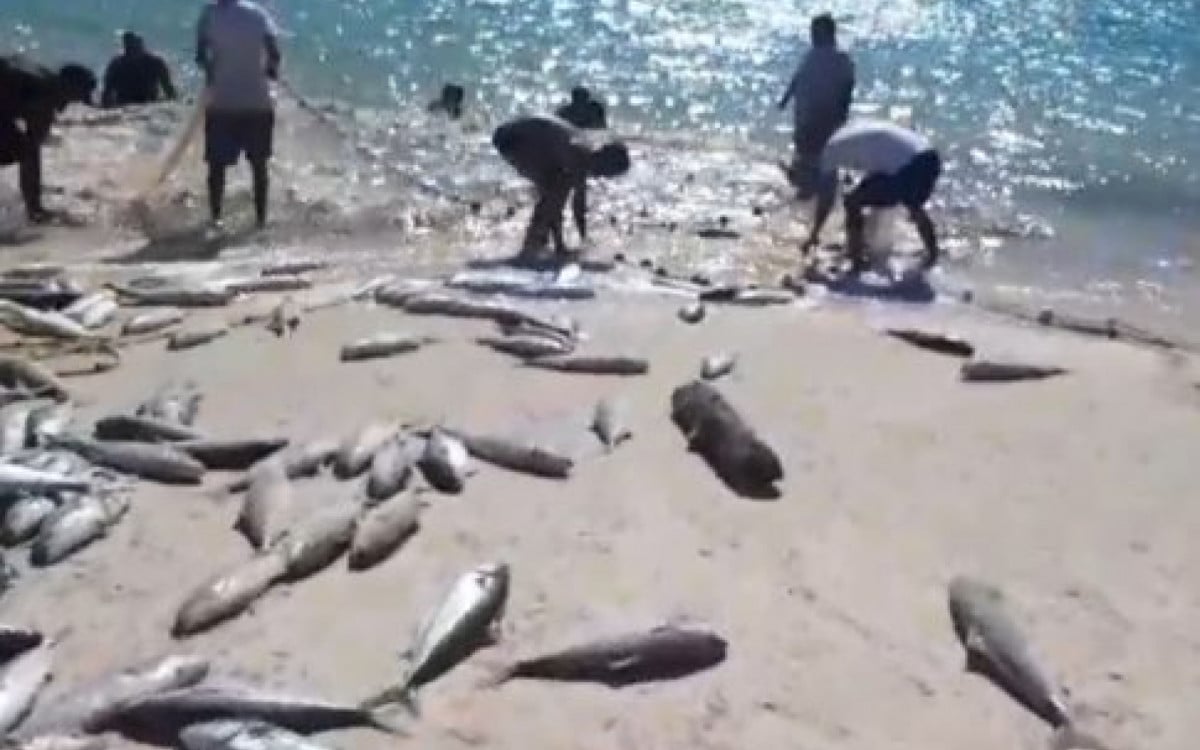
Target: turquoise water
[[1086, 114]]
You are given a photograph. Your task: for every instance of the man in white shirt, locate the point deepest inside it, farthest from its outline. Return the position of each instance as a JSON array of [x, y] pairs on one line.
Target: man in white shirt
[[900, 168], [237, 46], [823, 87]]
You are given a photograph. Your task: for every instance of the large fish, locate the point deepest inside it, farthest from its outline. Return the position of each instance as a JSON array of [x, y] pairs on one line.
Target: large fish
[[46, 323], [24, 517], [318, 541], [266, 506], [382, 530], [155, 461], [85, 708], [230, 455], [663, 653], [382, 345], [78, 523], [30, 376], [142, 429], [593, 364], [16, 479], [996, 371], [467, 619], [239, 734], [517, 456], [149, 322], [227, 594], [304, 460], [608, 422], [14, 426], [20, 682], [445, 462], [391, 469], [175, 297], [355, 453], [158, 719], [997, 651]]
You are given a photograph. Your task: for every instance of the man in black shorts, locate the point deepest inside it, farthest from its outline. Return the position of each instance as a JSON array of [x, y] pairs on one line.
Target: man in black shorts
[[900, 168], [136, 76], [237, 46], [31, 96]]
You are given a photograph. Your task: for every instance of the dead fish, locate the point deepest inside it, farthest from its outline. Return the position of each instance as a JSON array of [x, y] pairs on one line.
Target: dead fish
[[240, 734], [382, 530], [158, 719], [175, 297], [17, 372], [355, 453], [45, 323], [526, 346], [382, 345], [35, 271], [59, 742], [227, 594], [988, 371], [692, 313], [14, 426], [284, 318], [444, 462], [467, 619], [189, 339], [15, 641], [303, 461], [608, 422], [592, 364], [96, 310], [318, 541], [85, 708], [396, 294], [564, 336], [47, 421], [20, 682], [391, 469], [230, 455], [81, 521], [152, 321], [141, 429], [15, 480], [666, 652], [273, 283], [24, 517], [267, 503], [516, 456], [159, 462], [293, 267], [933, 341], [717, 365], [177, 404]]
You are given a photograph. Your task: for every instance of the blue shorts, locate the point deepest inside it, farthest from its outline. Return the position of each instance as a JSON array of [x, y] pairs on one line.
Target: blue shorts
[[228, 135], [910, 187]]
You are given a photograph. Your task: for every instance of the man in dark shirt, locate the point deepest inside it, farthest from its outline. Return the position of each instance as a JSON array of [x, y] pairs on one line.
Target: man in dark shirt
[[583, 111], [30, 98], [136, 76]]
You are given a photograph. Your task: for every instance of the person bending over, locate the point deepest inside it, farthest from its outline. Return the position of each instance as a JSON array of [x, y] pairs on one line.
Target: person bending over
[[450, 102], [135, 76], [583, 111], [556, 157], [900, 168]]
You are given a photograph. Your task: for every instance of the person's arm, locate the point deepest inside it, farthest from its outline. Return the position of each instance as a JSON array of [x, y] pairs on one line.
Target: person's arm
[[203, 48], [788, 93], [274, 58], [164, 80], [848, 91], [108, 95], [579, 207]]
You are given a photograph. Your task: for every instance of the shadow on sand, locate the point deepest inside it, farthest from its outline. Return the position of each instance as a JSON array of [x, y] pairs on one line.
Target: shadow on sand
[[541, 263], [913, 288], [187, 245]]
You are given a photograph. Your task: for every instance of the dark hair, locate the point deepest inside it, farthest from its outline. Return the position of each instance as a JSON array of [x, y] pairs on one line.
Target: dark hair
[[823, 29], [580, 94], [132, 39], [610, 160], [453, 93], [78, 82]]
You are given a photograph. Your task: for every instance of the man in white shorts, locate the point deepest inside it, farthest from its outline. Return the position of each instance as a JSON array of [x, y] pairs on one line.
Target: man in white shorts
[[900, 168], [237, 46]]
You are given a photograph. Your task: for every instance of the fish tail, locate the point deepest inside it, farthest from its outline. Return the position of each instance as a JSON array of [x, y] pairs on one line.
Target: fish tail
[[497, 678], [1068, 737], [402, 696]]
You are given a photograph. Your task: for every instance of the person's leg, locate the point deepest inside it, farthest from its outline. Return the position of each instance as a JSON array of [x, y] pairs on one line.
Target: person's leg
[[916, 183], [262, 186], [216, 190], [219, 151], [259, 140], [928, 235], [31, 182], [536, 234], [875, 191]]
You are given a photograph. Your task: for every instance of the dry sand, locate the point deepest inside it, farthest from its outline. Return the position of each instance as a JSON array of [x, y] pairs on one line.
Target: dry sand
[[1072, 494]]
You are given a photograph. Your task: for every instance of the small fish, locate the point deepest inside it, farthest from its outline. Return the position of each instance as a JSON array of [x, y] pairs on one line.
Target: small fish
[[159, 462], [24, 517], [230, 455], [14, 426], [266, 505], [178, 404], [175, 297], [93, 311], [526, 345], [152, 321], [15, 641], [382, 530], [302, 461], [717, 366], [293, 267], [46, 421], [273, 283], [391, 469], [15, 480], [666, 652], [49, 324], [445, 462], [74, 526], [284, 318], [194, 337], [382, 345], [517, 456], [227, 594], [608, 422], [933, 341], [592, 364], [355, 453], [317, 542], [564, 337], [467, 619], [20, 682], [989, 371], [141, 429], [240, 734], [693, 312], [18, 372]]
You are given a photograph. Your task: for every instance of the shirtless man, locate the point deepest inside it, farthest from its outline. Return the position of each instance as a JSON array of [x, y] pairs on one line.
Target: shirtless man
[[900, 168], [136, 76], [557, 159], [31, 96]]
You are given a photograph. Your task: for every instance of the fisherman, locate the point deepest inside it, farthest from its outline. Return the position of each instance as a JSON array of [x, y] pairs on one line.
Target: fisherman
[[450, 102], [237, 47], [557, 159], [30, 98], [136, 76], [900, 168], [823, 87], [583, 111]]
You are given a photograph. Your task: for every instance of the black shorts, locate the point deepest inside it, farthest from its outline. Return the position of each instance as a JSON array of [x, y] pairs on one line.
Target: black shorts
[[910, 187], [228, 135]]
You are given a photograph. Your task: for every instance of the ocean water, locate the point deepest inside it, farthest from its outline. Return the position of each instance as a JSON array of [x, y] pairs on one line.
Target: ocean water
[[1082, 118]]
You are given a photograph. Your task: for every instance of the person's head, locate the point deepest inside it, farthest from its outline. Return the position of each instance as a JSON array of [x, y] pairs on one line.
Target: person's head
[[76, 84], [452, 95], [580, 95], [226, 2], [823, 31], [610, 160], [132, 43]]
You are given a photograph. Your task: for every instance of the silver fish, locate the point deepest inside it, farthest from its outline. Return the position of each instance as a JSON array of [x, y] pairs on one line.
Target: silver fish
[[95, 310], [227, 594], [48, 421], [78, 523], [24, 517], [85, 708], [20, 682], [18, 372], [391, 469], [445, 462], [155, 461], [517, 456], [15, 480], [239, 734], [355, 453], [266, 505], [173, 404], [175, 297], [303, 461], [59, 742], [992, 371], [273, 283], [14, 425], [293, 267], [230, 455], [608, 422], [382, 530], [141, 429], [194, 337], [382, 345], [318, 541], [149, 322], [30, 322], [717, 366], [592, 364], [468, 618], [526, 346]]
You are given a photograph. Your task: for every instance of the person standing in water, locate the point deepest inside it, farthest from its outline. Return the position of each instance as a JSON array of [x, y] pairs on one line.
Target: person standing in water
[[823, 87], [136, 76], [556, 157], [237, 47], [583, 111], [31, 96], [900, 168]]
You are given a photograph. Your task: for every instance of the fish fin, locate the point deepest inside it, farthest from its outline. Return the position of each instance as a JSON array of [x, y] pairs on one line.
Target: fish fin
[[1068, 737]]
